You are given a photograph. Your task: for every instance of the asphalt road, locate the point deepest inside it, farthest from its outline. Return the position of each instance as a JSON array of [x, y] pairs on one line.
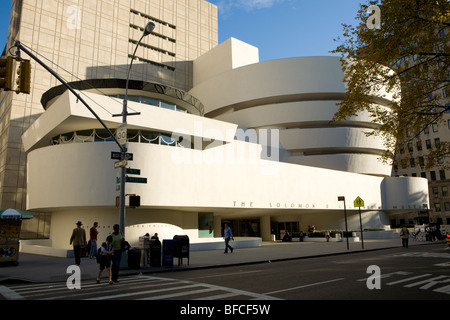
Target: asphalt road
[[415, 273], [421, 273]]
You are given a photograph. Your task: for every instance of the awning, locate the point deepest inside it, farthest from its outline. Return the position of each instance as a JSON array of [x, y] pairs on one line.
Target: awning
[[15, 214]]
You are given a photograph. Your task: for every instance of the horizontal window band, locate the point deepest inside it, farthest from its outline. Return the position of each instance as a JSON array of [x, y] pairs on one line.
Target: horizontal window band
[[146, 46], [322, 125], [144, 15], [335, 151], [298, 97], [157, 64]]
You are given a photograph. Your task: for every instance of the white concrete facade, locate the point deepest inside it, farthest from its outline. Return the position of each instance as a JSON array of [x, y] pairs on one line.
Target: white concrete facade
[[298, 96], [209, 171], [252, 141]]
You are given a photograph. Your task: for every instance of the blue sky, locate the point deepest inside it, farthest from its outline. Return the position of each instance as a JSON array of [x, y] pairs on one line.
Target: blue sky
[[286, 28], [279, 28], [5, 11]]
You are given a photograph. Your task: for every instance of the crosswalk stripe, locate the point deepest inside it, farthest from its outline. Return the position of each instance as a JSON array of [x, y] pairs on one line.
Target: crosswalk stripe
[[123, 295], [10, 294], [163, 288], [408, 279], [178, 294]]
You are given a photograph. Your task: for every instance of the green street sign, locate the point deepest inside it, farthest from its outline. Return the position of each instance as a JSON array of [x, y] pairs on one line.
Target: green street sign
[[136, 180], [133, 171]]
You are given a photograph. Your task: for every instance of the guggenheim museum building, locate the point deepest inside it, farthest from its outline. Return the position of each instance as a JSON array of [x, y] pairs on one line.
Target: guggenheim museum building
[[218, 136]]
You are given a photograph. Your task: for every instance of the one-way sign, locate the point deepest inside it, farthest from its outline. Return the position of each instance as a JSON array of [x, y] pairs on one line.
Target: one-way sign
[[117, 156]]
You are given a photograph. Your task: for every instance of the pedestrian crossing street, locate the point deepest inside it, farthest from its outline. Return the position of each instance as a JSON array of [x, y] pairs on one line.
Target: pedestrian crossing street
[[139, 287]]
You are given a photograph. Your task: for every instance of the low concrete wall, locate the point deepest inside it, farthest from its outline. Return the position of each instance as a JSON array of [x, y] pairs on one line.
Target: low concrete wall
[[219, 244], [43, 247], [387, 234], [332, 239]]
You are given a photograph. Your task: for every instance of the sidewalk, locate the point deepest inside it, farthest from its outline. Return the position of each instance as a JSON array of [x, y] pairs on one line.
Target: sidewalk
[[41, 269]]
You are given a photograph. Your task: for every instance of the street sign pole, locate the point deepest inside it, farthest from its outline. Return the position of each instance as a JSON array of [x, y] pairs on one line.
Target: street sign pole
[[342, 198], [360, 203], [123, 153], [147, 30], [360, 225]]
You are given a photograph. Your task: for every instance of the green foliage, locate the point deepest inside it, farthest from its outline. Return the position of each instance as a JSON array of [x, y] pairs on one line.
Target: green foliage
[[397, 74]]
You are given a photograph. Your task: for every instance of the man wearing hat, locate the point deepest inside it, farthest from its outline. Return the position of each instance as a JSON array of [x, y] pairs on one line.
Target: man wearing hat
[[78, 239]]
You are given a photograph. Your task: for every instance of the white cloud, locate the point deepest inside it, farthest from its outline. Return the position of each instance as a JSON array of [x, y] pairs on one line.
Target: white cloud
[[257, 4], [225, 6]]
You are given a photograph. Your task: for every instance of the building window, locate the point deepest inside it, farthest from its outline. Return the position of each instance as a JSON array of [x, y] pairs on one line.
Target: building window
[[151, 102], [206, 225], [435, 127], [444, 191], [436, 191], [419, 144], [428, 143], [437, 207], [447, 206], [421, 162], [442, 174], [437, 142], [410, 147], [423, 175], [412, 162], [433, 175], [138, 136]]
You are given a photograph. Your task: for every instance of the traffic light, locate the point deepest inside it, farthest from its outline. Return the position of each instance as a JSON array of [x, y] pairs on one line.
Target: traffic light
[[24, 77], [135, 201], [6, 73]]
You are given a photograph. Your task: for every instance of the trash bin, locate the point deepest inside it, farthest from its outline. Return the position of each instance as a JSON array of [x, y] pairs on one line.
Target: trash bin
[[181, 248], [167, 253], [134, 258], [155, 253]]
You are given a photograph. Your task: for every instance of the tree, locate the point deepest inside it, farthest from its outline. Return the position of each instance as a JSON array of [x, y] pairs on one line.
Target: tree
[[399, 72]]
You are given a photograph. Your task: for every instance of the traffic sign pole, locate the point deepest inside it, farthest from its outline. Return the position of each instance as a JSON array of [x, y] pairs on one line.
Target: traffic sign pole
[[360, 224], [360, 203], [342, 198]]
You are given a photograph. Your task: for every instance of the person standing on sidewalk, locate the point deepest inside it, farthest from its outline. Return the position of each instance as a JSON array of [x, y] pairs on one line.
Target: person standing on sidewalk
[[78, 239], [93, 232], [404, 234], [106, 254], [117, 239], [227, 234]]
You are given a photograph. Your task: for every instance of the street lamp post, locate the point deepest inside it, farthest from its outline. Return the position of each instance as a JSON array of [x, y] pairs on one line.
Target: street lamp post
[[148, 29]]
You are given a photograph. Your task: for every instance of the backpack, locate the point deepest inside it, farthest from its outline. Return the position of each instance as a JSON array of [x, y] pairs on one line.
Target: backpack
[[98, 255]]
